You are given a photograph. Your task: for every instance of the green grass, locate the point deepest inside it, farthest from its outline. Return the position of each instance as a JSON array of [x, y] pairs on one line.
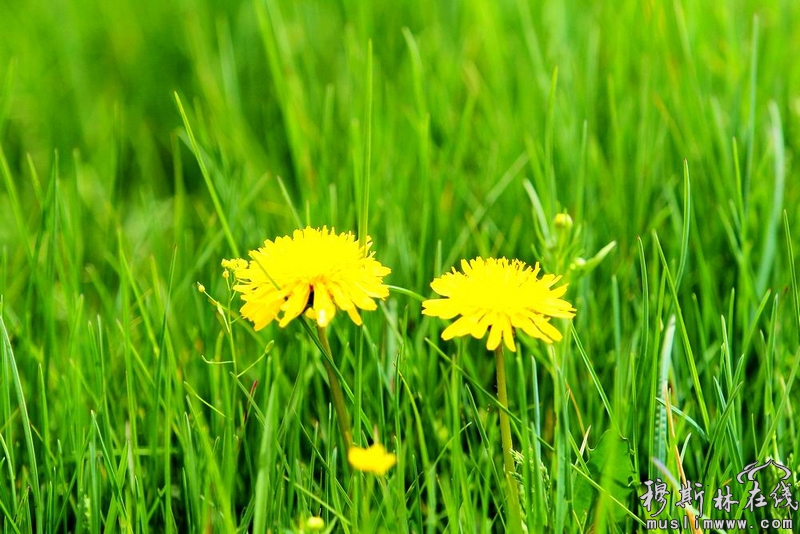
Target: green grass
[[142, 142]]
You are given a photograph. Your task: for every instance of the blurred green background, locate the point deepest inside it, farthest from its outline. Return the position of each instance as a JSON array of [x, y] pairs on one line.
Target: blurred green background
[[461, 91], [486, 119]]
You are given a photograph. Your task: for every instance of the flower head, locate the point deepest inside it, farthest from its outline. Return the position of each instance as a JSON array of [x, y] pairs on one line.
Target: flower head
[[501, 295], [375, 459], [314, 271]]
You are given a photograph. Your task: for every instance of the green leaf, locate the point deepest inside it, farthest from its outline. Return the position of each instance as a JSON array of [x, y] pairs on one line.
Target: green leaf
[[611, 468]]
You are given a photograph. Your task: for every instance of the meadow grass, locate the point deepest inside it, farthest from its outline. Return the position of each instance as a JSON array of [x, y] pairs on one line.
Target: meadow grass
[[142, 142]]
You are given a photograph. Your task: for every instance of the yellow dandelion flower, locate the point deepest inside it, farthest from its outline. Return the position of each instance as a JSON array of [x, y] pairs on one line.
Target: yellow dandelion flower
[[314, 271], [374, 459], [499, 295]]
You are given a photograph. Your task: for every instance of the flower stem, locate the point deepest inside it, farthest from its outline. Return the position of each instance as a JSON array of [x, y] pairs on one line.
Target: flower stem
[[336, 391], [514, 522]]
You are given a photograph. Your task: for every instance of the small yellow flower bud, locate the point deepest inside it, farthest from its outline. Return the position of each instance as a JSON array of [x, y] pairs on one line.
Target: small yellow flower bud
[[315, 523], [226, 274], [201, 288], [563, 221]]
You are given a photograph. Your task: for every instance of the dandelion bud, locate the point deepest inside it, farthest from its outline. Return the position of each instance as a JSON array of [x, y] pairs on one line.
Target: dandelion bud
[[315, 523], [563, 221]]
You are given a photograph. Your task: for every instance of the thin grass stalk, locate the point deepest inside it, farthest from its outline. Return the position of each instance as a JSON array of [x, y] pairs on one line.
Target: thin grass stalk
[[514, 522], [336, 391]]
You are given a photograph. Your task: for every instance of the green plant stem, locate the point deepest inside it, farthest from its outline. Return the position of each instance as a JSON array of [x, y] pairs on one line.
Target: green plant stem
[[514, 522], [336, 391]]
